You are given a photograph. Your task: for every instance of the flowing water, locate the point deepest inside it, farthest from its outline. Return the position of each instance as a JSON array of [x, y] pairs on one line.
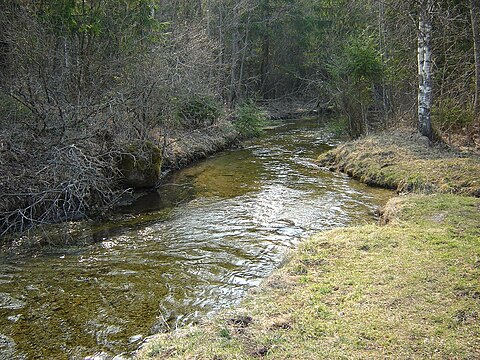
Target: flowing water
[[210, 233]]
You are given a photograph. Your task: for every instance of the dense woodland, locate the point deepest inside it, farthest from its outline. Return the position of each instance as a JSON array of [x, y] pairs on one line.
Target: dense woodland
[[85, 83]]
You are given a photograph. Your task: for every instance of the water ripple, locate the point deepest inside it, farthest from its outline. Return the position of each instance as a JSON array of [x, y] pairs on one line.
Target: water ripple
[[198, 244]]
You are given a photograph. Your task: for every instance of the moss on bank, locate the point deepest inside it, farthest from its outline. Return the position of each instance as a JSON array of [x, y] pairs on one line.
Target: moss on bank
[[406, 162], [141, 165], [409, 288]]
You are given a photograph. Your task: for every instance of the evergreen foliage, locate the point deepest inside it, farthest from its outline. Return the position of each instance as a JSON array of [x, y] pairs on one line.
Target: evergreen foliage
[[250, 120], [198, 111]]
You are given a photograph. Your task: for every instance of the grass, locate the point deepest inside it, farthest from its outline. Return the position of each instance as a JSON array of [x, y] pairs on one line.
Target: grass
[[406, 288], [404, 162]]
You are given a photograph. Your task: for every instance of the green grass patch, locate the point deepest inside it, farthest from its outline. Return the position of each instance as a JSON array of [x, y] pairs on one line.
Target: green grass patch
[[407, 289]]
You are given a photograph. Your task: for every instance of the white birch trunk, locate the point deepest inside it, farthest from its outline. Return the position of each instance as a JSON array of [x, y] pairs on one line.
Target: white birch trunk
[[475, 17], [425, 68]]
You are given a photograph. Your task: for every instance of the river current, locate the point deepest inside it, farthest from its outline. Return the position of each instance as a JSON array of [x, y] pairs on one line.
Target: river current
[[183, 252]]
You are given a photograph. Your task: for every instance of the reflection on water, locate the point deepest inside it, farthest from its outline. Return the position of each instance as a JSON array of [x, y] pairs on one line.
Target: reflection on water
[[196, 245]]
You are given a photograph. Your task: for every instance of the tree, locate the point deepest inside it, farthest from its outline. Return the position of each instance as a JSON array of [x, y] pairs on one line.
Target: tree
[[265, 57], [425, 67], [475, 14]]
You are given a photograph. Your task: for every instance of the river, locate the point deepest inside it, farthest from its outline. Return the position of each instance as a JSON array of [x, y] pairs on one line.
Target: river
[[211, 232]]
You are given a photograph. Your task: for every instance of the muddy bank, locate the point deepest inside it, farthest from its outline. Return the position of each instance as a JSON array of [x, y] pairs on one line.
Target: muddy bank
[[406, 162]]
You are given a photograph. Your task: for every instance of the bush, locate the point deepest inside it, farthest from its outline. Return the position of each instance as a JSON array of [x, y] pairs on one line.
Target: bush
[[450, 115], [338, 126], [198, 111], [249, 120], [12, 110]]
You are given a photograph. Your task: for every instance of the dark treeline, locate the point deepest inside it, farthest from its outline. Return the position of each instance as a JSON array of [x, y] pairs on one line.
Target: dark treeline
[[86, 82]]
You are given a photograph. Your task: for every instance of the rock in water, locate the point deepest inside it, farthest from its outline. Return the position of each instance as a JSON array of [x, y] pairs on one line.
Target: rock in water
[[9, 302], [141, 165], [7, 347], [135, 338]]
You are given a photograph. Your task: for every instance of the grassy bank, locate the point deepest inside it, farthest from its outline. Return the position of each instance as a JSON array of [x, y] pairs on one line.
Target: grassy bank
[[406, 162], [409, 289], [406, 288]]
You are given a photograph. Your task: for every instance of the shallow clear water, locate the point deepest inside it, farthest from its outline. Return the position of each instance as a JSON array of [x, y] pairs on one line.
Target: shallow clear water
[[196, 245]]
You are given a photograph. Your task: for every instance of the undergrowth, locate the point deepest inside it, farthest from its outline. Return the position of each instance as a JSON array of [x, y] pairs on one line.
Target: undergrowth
[[250, 120]]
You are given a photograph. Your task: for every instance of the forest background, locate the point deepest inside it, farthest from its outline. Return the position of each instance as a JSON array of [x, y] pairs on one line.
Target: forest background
[[88, 87]]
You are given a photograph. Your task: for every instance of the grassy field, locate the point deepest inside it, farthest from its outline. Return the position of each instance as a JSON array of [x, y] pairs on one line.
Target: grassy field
[[406, 288]]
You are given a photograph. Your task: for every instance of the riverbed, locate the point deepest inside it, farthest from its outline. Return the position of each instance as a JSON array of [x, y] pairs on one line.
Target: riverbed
[[196, 245]]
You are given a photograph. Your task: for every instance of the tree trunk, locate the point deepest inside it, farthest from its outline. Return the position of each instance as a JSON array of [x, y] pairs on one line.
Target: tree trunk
[[425, 68], [240, 91], [383, 36], [235, 58], [475, 15], [220, 49], [209, 31], [199, 8], [265, 62]]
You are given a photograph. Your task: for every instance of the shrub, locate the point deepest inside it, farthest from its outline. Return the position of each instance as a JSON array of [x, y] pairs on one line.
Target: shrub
[[198, 111], [450, 115], [338, 126], [249, 120]]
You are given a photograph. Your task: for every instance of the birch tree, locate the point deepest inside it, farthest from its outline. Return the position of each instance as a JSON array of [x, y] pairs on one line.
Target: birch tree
[[475, 14], [425, 67]]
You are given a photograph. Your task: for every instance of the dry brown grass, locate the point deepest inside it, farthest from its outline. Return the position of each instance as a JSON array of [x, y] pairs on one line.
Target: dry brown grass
[[406, 162]]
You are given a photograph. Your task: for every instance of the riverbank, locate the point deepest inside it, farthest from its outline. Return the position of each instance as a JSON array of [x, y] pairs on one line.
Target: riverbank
[[56, 185], [76, 177], [43, 185], [406, 162], [188, 146], [406, 289]]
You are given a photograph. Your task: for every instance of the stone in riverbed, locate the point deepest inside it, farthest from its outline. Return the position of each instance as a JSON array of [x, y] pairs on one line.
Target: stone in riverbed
[[7, 347], [135, 338], [14, 318], [141, 165], [120, 357], [98, 356], [9, 302]]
